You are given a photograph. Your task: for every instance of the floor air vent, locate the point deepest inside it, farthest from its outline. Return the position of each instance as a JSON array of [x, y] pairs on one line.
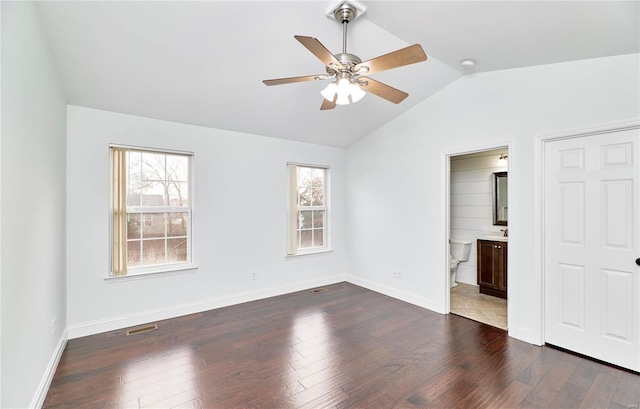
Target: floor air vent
[[141, 330], [319, 290]]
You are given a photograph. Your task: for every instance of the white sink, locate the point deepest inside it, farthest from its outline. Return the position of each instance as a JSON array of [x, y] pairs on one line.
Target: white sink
[[494, 238]]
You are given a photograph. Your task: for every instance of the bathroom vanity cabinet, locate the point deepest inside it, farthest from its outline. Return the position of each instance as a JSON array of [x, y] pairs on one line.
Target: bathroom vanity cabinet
[[492, 267]]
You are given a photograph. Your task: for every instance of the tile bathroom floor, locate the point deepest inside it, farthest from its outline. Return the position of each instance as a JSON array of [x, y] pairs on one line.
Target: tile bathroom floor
[[467, 302]]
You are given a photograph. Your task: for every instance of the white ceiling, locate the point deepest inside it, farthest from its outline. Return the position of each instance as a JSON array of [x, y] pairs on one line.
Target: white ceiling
[[203, 63]]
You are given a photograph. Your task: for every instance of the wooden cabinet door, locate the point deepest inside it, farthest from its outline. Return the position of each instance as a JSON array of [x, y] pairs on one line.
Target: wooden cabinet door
[[492, 268], [486, 264], [502, 267]]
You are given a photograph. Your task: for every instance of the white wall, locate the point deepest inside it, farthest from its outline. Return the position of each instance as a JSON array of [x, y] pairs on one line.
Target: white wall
[[239, 221], [33, 202], [471, 204], [397, 175]]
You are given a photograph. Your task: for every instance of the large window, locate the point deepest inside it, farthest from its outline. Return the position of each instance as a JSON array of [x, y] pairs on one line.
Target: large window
[[151, 210], [308, 210]]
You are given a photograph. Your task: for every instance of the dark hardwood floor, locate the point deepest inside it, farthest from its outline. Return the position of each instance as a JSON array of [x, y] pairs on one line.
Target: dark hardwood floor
[[347, 347]]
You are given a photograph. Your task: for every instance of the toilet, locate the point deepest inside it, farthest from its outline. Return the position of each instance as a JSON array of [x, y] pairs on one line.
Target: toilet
[[459, 250]]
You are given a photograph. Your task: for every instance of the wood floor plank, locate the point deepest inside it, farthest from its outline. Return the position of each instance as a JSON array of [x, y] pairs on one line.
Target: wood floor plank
[[585, 374], [512, 396], [534, 372], [549, 385], [347, 347], [495, 381], [601, 391], [569, 396], [627, 393]]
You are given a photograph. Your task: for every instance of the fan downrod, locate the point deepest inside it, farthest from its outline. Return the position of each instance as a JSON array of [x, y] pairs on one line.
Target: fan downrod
[[343, 14]]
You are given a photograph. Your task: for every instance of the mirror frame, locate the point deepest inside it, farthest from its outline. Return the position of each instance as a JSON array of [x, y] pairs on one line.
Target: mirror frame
[[496, 195]]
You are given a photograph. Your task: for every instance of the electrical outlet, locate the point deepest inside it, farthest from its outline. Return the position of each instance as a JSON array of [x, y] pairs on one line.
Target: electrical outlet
[[54, 325], [254, 275]]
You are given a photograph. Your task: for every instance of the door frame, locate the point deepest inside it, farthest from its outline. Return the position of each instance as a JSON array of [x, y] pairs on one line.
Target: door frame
[[539, 201], [446, 165]]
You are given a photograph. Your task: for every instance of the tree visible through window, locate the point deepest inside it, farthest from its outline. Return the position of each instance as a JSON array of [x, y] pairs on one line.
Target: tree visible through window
[[308, 207], [158, 210]]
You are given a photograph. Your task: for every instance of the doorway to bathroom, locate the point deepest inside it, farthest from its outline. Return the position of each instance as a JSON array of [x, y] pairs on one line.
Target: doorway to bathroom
[[478, 235]]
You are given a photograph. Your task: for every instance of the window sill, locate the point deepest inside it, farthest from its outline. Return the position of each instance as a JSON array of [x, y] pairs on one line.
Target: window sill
[[309, 253], [161, 272]]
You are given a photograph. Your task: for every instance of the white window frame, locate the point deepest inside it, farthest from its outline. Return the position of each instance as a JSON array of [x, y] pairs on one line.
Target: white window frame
[[292, 248], [165, 267]]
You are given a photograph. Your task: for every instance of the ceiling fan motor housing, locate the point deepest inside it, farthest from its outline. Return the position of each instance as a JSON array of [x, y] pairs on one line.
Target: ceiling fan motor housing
[[347, 59]]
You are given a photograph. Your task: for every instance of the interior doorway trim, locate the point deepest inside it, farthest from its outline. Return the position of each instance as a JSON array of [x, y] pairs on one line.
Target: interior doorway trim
[[446, 166], [539, 201]]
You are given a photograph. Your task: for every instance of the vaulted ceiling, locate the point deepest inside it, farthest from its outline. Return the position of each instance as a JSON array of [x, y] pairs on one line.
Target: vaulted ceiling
[[203, 63]]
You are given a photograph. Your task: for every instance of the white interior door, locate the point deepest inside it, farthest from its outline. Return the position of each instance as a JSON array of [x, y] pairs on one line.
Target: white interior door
[[591, 242]]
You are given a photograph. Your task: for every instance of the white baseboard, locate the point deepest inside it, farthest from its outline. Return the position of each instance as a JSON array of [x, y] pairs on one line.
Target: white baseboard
[[47, 377], [125, 321], [397, 294]]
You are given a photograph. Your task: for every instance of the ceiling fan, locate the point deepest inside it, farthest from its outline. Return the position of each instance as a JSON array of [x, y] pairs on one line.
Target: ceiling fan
[[347, 70]]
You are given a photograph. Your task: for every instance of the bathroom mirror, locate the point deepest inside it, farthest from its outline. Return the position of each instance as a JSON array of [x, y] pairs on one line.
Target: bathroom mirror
[[500, 199]]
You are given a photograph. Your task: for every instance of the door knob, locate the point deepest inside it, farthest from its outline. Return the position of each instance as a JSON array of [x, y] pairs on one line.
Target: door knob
[[638, 261]]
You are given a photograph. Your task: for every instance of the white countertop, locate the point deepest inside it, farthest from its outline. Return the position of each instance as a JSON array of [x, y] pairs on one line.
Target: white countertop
[[494, 238]]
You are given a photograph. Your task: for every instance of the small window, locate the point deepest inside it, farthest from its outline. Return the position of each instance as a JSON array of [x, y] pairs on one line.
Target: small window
[[308, 209], [151, 199]]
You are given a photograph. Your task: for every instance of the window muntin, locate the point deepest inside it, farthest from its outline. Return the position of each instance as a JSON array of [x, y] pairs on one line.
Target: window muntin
[[158, 211]]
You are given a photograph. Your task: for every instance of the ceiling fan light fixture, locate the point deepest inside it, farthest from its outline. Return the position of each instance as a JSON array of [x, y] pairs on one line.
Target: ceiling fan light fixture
[[356, 92], [343, 89], [343, 99], [347, 92], [329, 92], [343, 86]]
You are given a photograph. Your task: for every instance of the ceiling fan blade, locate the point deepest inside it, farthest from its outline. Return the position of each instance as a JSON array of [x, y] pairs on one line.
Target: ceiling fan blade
[[384, 91], [279, 81], [320, 51], [326, 104], [404, 56]]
